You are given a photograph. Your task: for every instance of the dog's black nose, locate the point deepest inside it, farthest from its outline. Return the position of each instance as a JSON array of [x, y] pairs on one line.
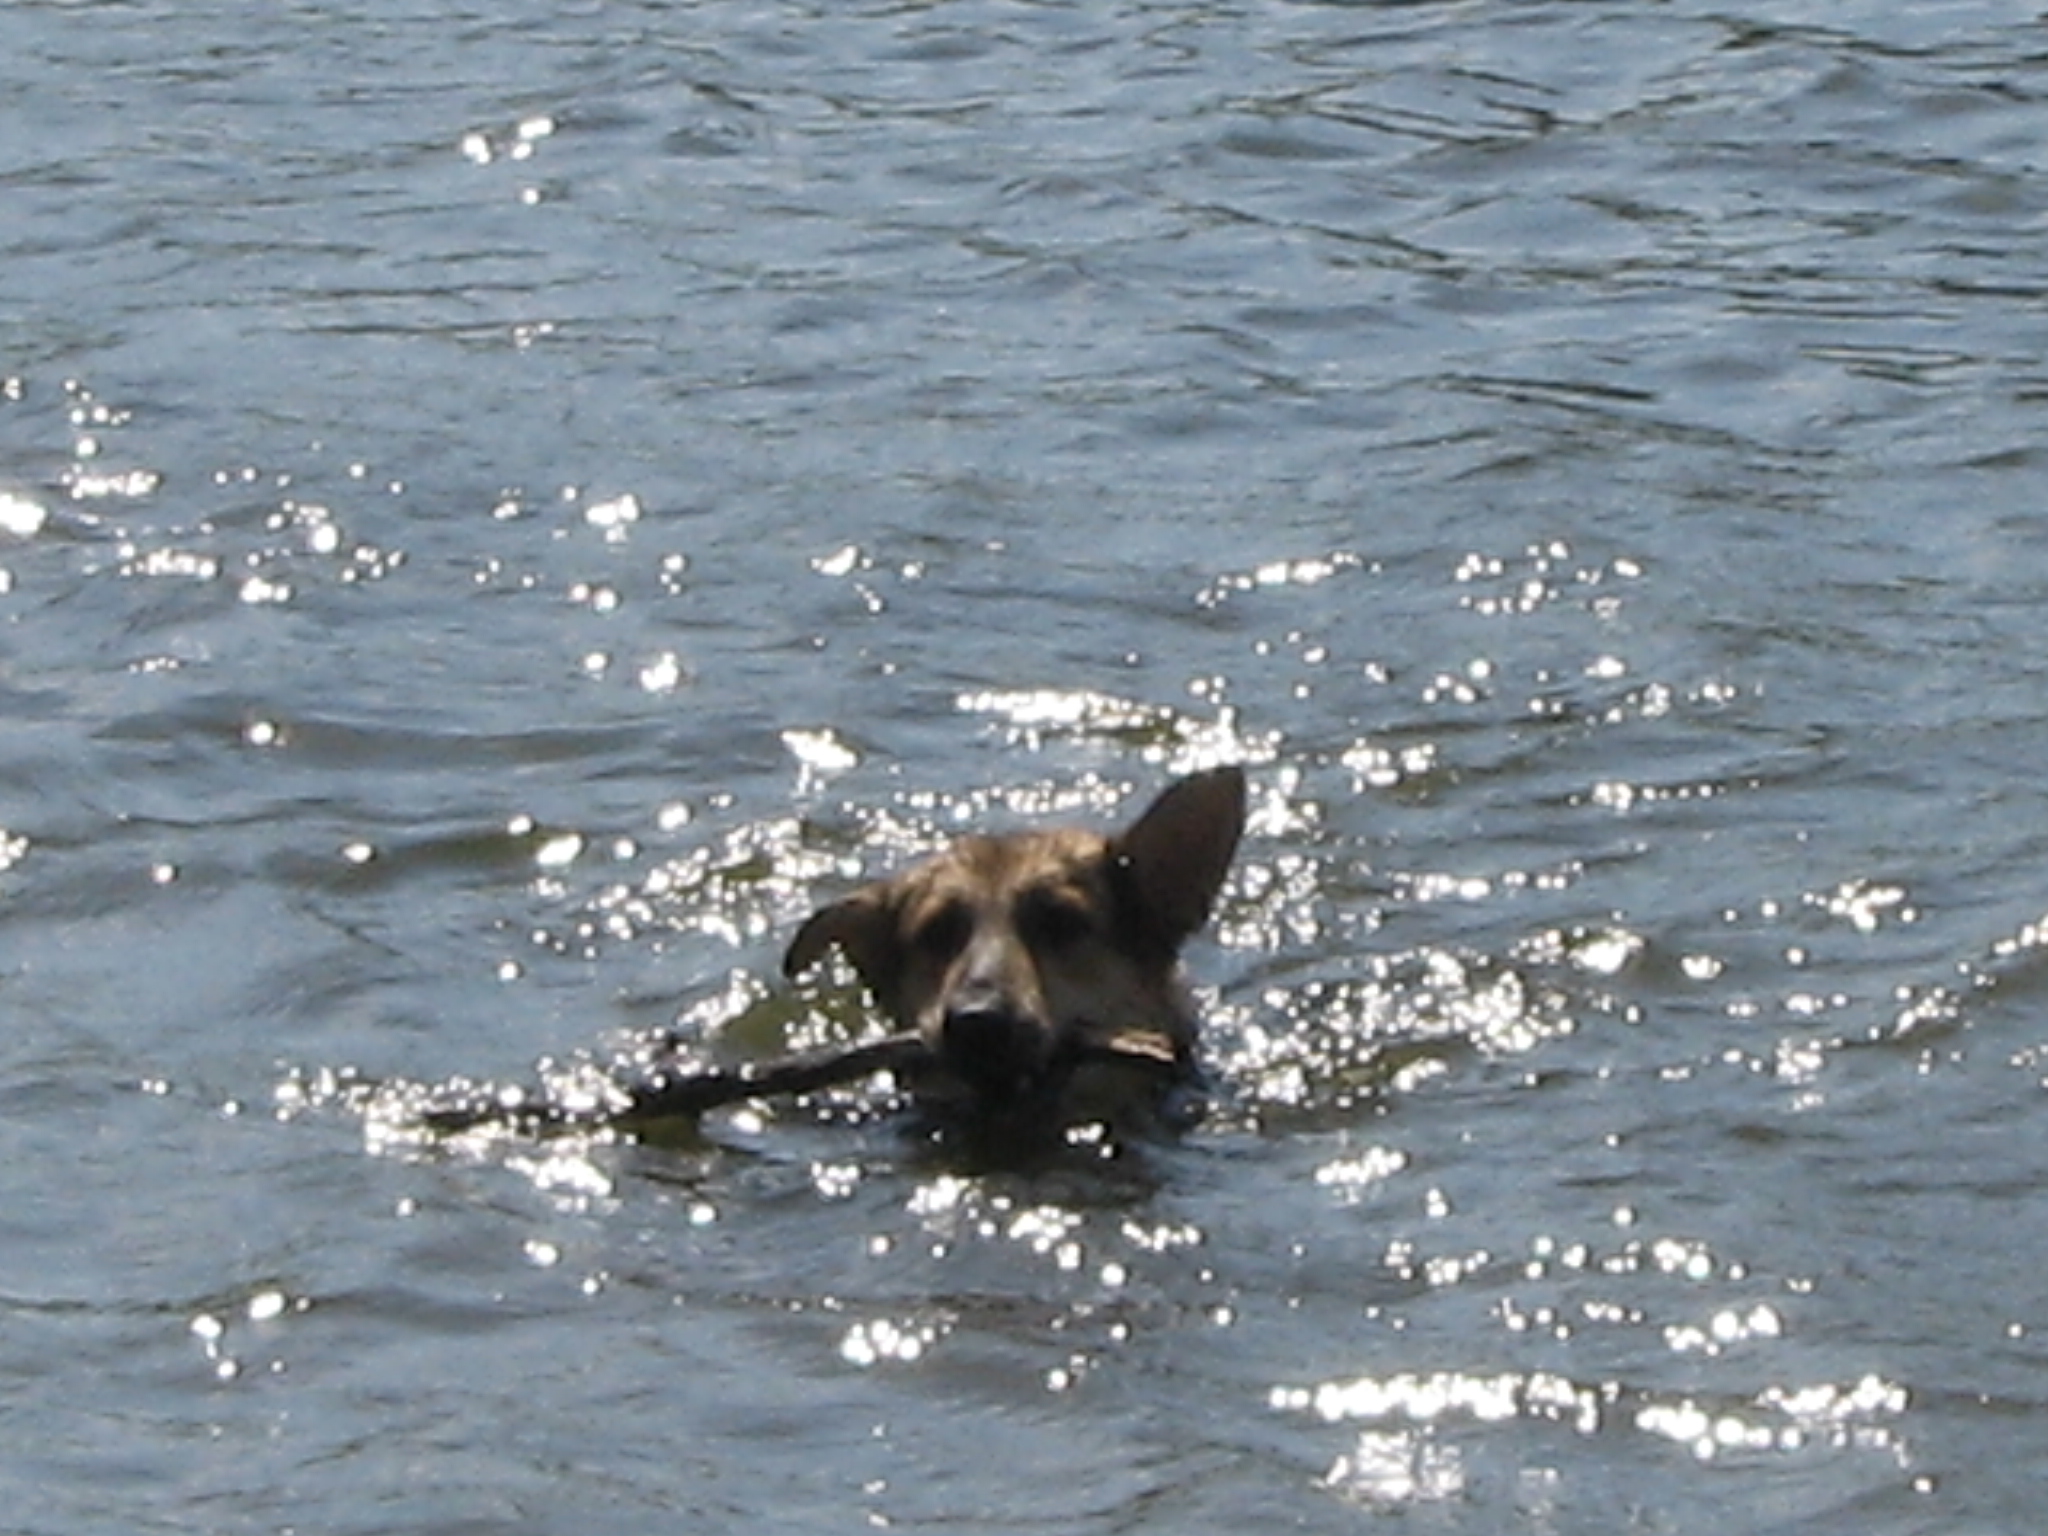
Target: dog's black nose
[[991, 1049]]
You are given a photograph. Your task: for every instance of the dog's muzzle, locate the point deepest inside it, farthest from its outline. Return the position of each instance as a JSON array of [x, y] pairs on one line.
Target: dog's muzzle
[[994, 1050]]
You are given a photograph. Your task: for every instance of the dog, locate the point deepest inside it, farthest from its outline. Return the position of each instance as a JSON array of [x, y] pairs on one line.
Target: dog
[[1026, 972], [1033, 979]]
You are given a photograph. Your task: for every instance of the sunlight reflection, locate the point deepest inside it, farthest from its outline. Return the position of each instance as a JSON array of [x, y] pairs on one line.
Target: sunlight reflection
[[889, 1341], [1353, 1175], [1308, 571], [1777, 1418], [613, 517], [131, 484], [1339, 1039], [478, 147], [1784, 1419], [261, 1311], [1047, 1230], [836, 1181], [1865, 903], [1182, 742], [1424, 1398], [168, 562], [558, 851], [1377, 767], [752, 881], [820, 755], [1731, 1325], [663, 674], [564, 1168], [1405, 1468], [257, 590], [1607, 953], [1541, 574], [20, 516]]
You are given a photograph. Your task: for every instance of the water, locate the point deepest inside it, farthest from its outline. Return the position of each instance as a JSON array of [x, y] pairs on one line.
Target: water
[[502, 509]]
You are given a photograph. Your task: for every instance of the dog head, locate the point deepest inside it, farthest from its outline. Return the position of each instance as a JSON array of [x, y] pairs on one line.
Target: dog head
[[1015, 958]]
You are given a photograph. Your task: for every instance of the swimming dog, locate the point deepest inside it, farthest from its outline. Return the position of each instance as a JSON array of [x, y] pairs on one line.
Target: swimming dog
[[1033, 978]]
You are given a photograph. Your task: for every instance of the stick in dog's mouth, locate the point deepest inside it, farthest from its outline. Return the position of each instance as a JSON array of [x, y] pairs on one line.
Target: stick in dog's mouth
[[906, 1057]]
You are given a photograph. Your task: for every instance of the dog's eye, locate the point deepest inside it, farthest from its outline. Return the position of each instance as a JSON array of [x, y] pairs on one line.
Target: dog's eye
[[944, 931], [1054, 921]]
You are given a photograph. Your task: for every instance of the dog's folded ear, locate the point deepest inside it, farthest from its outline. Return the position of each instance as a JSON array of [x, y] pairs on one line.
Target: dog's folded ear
[[1178, 852], [863, 925]]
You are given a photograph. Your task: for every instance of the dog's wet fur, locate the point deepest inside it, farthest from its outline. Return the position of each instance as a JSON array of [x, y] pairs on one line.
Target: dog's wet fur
[[1032, 978]]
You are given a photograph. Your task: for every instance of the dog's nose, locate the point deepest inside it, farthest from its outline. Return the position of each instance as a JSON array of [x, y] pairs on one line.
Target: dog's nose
[[991, 1047]]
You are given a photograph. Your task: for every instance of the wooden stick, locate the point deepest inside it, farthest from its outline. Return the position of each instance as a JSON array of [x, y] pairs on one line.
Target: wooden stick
[[693, 1093], [664, 1097], [697, 1092]]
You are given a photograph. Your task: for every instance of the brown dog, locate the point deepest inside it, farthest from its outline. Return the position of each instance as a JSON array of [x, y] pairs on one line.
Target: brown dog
[[1034, 980], [1033, 972]]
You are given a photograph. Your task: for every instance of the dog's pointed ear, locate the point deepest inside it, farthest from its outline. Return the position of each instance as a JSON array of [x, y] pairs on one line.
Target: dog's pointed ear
[[1178, 852], [863, 925]]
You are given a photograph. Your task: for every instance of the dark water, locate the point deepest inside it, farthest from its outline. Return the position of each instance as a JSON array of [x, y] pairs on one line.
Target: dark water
[[501, 508]]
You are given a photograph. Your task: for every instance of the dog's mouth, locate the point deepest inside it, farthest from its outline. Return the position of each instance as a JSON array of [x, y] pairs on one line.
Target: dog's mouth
[[1005, 1061], [1000, 1056]]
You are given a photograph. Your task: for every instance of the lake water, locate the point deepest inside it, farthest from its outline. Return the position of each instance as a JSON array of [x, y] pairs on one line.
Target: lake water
[[503, 508]]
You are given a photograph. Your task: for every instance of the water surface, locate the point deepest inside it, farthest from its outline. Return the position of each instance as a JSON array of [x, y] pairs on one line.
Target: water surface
[[501, 510]]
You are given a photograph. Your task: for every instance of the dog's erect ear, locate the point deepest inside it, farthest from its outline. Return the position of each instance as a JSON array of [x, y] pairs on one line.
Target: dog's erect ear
[[863, 925], [1178, 852]]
